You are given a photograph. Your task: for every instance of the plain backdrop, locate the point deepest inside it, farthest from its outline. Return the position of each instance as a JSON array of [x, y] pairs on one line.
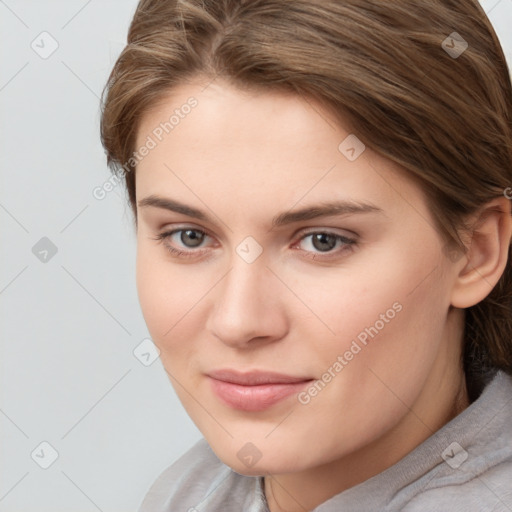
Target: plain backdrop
[[86, 423]]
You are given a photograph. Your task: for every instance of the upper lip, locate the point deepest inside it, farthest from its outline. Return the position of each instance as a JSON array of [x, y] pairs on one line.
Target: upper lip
[[254, 377]]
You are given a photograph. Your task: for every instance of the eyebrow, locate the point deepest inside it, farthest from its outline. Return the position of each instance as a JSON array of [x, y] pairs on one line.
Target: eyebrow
[[324, 209]]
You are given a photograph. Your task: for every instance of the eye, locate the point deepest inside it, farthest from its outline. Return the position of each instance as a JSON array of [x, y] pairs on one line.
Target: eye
[[182, 242], [187, 242], [190, 237], [320, 243]]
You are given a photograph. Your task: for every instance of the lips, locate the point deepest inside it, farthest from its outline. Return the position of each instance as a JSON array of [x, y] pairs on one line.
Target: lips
[[255, 390]]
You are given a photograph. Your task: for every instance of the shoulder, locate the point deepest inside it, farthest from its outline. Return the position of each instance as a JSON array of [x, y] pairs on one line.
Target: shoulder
[[199, 481], [487, 491], [480, 475]]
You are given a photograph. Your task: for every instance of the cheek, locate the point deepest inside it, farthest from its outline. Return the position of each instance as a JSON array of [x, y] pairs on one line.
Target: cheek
[[152, 288], [401, 339], [388, 316], [378, 362], [166, 293]]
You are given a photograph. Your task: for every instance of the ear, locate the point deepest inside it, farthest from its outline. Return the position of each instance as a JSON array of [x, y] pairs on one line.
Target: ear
[[485, 261]]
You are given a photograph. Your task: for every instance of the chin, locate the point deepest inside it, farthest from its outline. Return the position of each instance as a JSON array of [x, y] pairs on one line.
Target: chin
[[260, 468], [258, 458]]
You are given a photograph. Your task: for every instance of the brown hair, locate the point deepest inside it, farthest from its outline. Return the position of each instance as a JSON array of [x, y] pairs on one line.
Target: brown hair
[[385, 67]]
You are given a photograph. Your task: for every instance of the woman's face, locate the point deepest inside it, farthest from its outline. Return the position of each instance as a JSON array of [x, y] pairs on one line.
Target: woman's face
[[300, 294]]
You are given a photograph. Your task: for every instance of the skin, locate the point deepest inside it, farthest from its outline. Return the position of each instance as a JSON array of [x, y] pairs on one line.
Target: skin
[[296, 308]]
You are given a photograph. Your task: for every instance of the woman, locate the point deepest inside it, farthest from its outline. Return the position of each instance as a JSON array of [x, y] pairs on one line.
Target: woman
[[323, 239]]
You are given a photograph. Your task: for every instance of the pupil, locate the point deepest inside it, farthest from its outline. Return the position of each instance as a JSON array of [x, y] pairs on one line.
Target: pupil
[[323, 241], [191, 237]]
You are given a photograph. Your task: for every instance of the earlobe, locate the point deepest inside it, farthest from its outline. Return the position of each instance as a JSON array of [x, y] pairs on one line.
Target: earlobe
[[487, 254]]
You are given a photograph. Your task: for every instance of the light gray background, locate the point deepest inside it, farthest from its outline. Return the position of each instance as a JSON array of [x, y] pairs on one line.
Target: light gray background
[[70, 324]]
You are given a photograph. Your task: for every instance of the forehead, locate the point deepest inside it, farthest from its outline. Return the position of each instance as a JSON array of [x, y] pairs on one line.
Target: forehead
[[227, 115], [264, 146]]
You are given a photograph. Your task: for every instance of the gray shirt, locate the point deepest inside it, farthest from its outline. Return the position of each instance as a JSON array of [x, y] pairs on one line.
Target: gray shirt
[[465, 466]]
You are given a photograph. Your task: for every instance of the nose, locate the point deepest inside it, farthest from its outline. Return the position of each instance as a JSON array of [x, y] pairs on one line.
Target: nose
[[248, 309]]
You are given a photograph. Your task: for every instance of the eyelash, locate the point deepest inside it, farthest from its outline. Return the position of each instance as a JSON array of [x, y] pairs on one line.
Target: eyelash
[[349, 244]]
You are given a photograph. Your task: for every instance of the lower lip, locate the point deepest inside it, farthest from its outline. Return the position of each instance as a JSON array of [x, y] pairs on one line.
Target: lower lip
[[254, 398]]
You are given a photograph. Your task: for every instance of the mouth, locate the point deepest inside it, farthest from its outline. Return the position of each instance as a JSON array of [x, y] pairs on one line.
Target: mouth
[[255, 390]]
